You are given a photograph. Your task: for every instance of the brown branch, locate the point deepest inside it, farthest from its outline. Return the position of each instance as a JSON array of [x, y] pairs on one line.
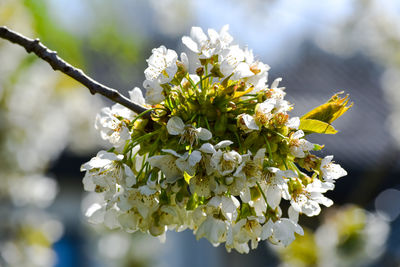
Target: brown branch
[[58, 63]]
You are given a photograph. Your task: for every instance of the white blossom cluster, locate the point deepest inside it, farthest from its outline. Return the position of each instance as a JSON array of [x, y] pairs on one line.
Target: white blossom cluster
[[218, 154]]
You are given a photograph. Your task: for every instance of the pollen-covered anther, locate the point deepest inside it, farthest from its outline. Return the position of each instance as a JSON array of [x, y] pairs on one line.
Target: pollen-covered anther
[[280, 119], [262, 118], [189, 135], [254, 68]]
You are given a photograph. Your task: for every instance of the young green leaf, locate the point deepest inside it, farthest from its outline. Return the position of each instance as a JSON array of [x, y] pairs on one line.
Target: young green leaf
[[331, 110], [316, 126]]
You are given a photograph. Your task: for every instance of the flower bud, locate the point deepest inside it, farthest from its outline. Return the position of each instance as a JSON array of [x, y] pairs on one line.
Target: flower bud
[[200, 71], [229, 180]]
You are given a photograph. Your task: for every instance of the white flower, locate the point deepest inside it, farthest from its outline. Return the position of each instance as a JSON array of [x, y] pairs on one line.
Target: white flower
[[250, 169], [97, 214], [283, 232], [206, 47], [187, 162], [259, 71], [277, 185], [308, 200], [227, 205], [106, 171], [282, 106], [230, 58], [162, 65], [225, 162], [188, 133], [110, 123], [263, 111], [275, 91], [201, 185], [331, 171], [142, 199], [212, 229], [167, 165], [111, 127], [299, 145], [235, 237], [247, 123]]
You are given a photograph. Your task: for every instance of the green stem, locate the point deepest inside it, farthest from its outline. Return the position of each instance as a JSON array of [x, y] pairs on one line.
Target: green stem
[[208, 125], [143, 137], [238, 139], [296, 169], [279, 134], [262, 193], [141, 169], [269, 149], [144, 113], [284, 163]]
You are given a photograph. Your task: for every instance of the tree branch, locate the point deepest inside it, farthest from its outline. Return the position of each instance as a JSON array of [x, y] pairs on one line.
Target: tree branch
[[58, 63]]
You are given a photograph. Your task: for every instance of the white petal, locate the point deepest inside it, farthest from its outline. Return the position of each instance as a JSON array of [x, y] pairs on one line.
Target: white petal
[[198, 35], [249, 122], [229, 206], [293, 123], [111, 219], [204, 134], [283, 231], [298, 134], [242, 71], [194, 158], [192, 45], [266, 230], [259, 157], [213, 35], [293, 215], [147, 191], [207, 148], [95, 213], [274, 196], [245, 195], [276, 82], [88, 184], [153, 92], [175, 126], [325, 161], [137, 96], [172, 152], [185, 61], [130, 177], [212, 229], [166, 163], [223, 144]]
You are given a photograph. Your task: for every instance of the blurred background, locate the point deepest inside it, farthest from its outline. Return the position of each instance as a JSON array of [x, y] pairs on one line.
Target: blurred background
[[317, 47]]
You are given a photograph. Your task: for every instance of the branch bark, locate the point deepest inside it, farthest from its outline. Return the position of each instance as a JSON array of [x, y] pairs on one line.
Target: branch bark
[[57, 63]]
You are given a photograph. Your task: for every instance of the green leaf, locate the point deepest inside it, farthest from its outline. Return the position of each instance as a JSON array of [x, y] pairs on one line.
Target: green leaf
[[187, 177], [318, 147], [331, 110], [316, 126]]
